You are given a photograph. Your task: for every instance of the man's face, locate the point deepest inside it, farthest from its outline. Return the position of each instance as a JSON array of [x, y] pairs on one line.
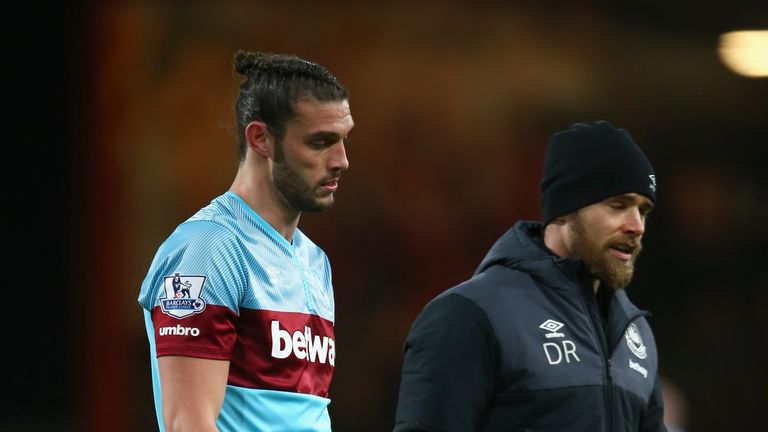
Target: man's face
[[311, 156], [607, 237]]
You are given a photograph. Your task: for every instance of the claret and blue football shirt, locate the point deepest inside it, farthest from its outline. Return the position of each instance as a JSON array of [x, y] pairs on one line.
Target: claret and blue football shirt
[[227, 286]]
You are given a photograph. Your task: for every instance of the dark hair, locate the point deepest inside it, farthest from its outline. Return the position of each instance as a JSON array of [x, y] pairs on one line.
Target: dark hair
[[273, 84]]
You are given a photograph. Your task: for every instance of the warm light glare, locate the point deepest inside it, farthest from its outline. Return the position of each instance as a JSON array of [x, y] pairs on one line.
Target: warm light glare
[[746, 52]]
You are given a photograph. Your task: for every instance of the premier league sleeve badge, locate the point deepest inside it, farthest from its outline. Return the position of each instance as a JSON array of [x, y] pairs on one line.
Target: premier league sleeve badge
[[181, 296]]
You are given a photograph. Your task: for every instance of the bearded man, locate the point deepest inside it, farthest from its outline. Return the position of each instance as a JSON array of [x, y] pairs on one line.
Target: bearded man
[[250, 345], [543, 337]]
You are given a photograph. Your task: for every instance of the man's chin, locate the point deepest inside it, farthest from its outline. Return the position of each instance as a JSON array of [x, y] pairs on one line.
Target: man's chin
[[618, 278], [319, 205], [614, 274]]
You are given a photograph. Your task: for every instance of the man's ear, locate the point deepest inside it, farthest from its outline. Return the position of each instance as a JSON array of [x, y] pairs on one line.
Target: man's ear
[[259, 139], [560, 220]]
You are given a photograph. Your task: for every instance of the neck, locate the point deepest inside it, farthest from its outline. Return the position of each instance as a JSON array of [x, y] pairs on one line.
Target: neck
[[595, 285], [554, 239], [253, 185]]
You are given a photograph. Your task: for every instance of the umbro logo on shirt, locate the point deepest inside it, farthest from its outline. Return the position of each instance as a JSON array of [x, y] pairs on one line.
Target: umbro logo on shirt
[[273, 274], [178, 331], [557, 352], [552, 326]]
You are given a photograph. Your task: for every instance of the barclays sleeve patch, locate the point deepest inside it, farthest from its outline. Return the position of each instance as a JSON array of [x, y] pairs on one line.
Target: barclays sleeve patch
[[181, 296]]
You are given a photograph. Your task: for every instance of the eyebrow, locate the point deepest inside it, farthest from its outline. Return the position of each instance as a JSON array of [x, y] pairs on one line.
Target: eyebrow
[[323, 135], [645, 204], [327, 136], [647, 207]]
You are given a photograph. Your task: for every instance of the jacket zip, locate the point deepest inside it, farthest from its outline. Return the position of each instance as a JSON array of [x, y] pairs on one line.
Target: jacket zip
[[608, 395], [590, 302]]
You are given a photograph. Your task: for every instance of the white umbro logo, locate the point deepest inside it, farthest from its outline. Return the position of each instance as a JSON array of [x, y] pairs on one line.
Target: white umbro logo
[[552, 326], [556, 352], [653, 182], [273, 274]]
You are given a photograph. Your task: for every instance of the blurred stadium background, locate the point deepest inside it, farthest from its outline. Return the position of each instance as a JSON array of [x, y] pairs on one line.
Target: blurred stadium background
[[120, 121]]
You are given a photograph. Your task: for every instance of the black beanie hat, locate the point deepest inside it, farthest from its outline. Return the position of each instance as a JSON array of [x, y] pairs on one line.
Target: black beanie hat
[[589, 162]]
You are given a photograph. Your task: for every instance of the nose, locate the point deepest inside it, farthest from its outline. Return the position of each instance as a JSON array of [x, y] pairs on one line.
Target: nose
[[338, 157], [634, 222]]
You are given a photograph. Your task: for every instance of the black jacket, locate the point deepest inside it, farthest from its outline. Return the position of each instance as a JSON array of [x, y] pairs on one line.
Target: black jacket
[[522, 346]]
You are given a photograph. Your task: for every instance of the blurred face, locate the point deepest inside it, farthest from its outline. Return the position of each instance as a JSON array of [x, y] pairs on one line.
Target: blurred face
[[311, 156], [607, 236]]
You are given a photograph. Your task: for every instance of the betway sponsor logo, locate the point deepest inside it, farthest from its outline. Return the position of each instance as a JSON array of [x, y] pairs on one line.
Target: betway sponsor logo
[[636, 366], [179, 331], [302, 344]]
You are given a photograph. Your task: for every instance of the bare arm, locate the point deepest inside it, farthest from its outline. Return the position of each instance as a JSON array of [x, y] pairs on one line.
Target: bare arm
[[192, 392]]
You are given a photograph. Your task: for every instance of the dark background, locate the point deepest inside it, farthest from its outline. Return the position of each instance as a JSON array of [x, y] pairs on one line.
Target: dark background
[[119, 127]]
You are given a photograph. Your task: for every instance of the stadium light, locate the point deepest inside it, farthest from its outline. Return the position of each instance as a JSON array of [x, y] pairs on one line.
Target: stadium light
[[745, 52]]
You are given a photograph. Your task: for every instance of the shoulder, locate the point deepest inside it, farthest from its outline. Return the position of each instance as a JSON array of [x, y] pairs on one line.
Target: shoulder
[[202, 230], [499, 300], [200, 246], [451, 304], [210, 223], [449, 323], [200, 250], [497, 283], [195, 236], [451, 316]]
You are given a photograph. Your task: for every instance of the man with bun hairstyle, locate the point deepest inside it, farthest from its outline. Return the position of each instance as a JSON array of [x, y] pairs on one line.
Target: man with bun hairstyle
[[543, 337], [250, 345]]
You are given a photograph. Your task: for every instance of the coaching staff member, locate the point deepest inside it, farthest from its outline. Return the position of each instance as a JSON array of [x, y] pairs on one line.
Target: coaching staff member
[[543, 336]]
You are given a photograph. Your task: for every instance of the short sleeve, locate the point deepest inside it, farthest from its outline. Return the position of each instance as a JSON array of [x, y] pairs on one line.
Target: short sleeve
[[193, 291]]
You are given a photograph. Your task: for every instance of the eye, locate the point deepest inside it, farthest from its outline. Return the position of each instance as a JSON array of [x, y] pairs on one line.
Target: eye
[[618, 205], [320, 143]]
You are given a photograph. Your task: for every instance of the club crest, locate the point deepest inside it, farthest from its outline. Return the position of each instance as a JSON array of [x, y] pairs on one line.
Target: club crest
[[635, 342], [181, 295]]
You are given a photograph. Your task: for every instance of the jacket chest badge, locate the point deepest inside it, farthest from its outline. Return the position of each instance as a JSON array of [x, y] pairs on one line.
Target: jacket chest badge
[[635, 342], [558, 350]]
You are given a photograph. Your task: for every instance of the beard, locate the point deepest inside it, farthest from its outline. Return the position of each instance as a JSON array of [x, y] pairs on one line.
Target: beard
[[600, 263], [292, 189]]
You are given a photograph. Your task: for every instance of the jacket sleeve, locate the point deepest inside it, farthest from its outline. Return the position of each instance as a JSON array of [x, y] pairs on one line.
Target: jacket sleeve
[[449, 368], [653, 420]]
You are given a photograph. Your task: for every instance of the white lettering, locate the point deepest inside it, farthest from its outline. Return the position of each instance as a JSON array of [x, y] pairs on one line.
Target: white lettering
[[566, 344], [178, 331], [637, 367], [548, 345], [555, 354], [303, 345], [299, 345], [319, 349], [279, 336]]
